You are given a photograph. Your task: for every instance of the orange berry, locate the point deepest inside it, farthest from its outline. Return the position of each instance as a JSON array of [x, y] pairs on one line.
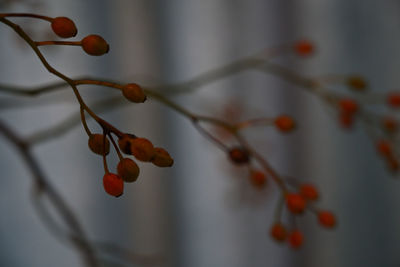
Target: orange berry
[[142, 149], [356, 82], [392, 163], [124, 143], [133, 92], [326, 219], [284, 123], [95, 45], [258, 178], [128, 170], [64, 27], [384, 148], [393, 99], [309, 192], [278, 232], [295, 203], [296, 239], [304, 48], [239, 155], [97, 145], [346, 120], [162, 158], [113, 184], [389, 124], [348, 105]]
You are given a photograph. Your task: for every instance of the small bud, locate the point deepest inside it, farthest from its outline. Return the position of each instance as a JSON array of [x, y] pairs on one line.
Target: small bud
[[296, 239], [309, 192], [284, 123], [133, 92], [96, 144], [326, 219], [356, 83], [162, 158], [94, 45], [304, 48], [393, 99], [239, 155], [113, 184], [128, 170], [390, 124], [64, 27], [348, 105], [258, 178], [124, 143], [142, 149]]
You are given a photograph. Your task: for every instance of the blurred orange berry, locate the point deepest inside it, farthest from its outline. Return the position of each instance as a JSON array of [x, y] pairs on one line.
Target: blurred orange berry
[[356, 82], [95, 45], [162, 158], [128, 170], [393, 99], [389, 124], [258, 178], [64, 27], [327, 219], [384, 148], [113, 184], [295, 203], [278, 232], [348, 105], [239, 155], [284, 123], [142, 149], [304, 48], [346, 120], [309, 192], [133, 92], [296, 239]]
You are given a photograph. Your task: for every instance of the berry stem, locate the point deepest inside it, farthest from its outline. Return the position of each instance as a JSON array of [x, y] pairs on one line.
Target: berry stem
[[83, 120], [74, 43], [26, 15], [116, 147]]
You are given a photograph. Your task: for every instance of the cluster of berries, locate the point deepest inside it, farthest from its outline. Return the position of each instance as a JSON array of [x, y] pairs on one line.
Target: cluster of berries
[[297, 203]]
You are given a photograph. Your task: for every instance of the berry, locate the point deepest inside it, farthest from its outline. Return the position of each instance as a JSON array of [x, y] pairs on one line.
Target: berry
[[95, 45], [284, 123], [393, 99], [239, 155], [142, 149], [134, 93], [278, 232], [96, 144], [304, 48], [128, 170], [384, 148], [296, 239], [392, 163], [346, 120], [309, 192], [326, 219], [162, 158], [258, 178], [356, 82], [348, 105], [295, 203], [64, 27], [113, 184], [124, 143]]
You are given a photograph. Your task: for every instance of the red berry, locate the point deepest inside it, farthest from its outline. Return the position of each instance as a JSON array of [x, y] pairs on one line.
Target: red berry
[[296, 239], [304, 47], [326, 219], [258, 178], [98, 144], [346, 120], [128, 170], [94, 45], [113, 184], [393, 99], [133, 92], [348, 105], [64, 27], [284, 123], [309, 192], [239, 155], [384, 148], [356, 82], [390, 124], [142, 149], [162, 158], [295, 203], [278, 232]]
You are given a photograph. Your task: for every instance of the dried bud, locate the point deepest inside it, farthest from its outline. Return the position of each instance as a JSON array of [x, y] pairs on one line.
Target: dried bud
[[133, 92], [162, 158], [95, 45], [128, 170], [97, 145], [239, 155], [124, 143]]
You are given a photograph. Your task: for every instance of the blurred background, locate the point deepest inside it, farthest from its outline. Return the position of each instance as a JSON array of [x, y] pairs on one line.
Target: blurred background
[[201, 212]]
